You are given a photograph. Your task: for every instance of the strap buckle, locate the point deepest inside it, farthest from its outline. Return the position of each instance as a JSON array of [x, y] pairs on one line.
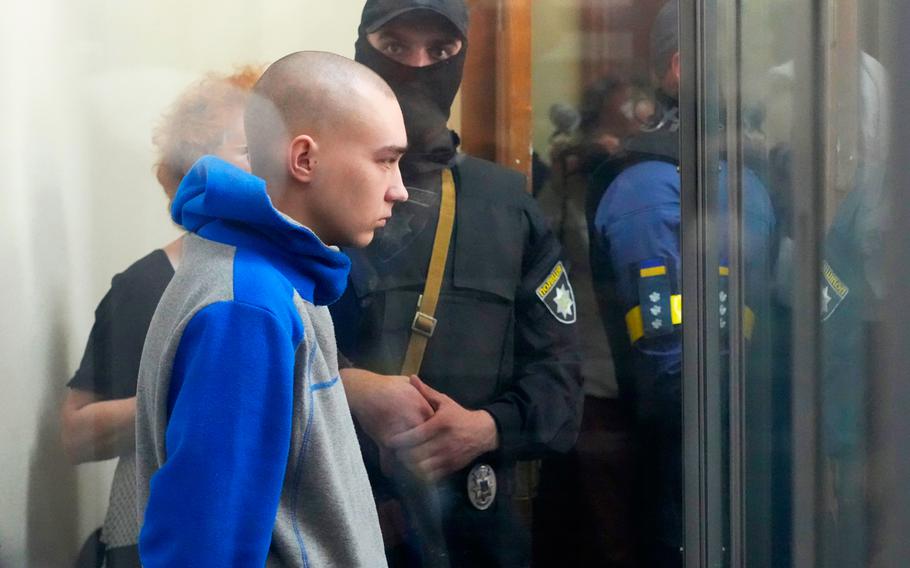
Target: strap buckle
[[423, 324]]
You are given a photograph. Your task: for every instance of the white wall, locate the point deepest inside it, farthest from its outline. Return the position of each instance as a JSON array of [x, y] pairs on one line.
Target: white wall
[[556, 63], [82, 85]]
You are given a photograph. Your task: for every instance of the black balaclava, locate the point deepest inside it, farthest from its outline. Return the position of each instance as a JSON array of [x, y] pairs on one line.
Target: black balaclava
[[424, 93]]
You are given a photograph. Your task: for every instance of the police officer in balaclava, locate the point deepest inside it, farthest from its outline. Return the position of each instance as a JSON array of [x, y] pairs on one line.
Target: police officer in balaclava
[[496, 356], [419, 48]]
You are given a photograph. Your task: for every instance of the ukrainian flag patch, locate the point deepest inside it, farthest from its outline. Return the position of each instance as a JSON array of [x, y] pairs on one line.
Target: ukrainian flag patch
[[556, 294]]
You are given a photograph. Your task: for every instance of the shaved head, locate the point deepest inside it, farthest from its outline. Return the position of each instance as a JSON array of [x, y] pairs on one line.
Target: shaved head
[[308, 92], [326, 134]]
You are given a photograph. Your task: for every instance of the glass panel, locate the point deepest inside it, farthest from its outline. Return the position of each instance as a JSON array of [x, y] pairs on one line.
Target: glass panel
[[739, 231], [849, 128], [795, 247], [889, 393], [852, 283], [767, 76], [85, 87], [600, 112]]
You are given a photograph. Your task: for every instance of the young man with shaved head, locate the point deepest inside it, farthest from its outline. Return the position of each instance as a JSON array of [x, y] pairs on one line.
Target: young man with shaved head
[[246, 449]]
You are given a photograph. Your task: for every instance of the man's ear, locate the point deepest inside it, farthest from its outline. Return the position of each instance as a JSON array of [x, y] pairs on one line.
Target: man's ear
[[674, 67], [302, 152]]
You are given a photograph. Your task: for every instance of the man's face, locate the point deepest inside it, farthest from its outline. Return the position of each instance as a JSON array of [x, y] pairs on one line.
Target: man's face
[[417, 39], [358, 176]]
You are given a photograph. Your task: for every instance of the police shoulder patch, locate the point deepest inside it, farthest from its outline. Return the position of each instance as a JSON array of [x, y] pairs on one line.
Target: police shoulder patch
[[833, 291], [556, 294]]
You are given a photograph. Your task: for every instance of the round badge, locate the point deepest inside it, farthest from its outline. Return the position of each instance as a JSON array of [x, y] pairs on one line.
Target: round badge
[[482, 486]]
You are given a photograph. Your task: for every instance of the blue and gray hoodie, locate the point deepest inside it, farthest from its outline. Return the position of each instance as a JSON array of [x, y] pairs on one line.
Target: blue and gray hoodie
[[246, 452]]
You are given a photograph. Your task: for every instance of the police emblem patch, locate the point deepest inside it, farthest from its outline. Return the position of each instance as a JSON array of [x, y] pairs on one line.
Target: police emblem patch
[[556, 294], [482, 486], [833, 291]]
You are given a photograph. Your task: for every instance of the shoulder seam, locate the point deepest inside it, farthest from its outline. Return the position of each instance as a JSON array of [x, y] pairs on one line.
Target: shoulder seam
[[645, 209], [239, 303]]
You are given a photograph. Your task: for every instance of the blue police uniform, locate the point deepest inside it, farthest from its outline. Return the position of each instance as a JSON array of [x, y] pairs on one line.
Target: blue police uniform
[[634, 215]]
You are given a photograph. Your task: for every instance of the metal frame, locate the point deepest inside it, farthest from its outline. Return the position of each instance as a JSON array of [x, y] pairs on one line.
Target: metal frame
[[721, 493], [731, 76], [690, 111], [812, 173], [699, 151], [890, 388], [709, 148], [809, 172]]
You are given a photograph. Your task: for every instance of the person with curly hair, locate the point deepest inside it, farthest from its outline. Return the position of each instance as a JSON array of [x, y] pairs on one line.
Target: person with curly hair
[[99, 412]]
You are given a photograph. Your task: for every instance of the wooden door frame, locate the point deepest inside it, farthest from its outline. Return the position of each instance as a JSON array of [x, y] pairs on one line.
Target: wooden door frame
[[496, 89]]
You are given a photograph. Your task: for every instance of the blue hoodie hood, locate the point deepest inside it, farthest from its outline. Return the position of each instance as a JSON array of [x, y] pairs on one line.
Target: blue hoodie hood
[[223, 203]]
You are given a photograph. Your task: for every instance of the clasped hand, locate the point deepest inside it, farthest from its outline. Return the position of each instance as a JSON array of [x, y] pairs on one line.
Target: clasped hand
[[447, 441]]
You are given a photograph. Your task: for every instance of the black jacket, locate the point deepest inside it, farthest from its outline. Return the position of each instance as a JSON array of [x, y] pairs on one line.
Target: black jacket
[[497, 346]]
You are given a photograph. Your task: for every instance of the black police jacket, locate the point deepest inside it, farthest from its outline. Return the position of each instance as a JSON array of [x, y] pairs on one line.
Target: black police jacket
[[497, 345], [851, 307]]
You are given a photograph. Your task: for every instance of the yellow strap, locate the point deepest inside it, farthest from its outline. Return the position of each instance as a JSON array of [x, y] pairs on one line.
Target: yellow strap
[[424, 324], [635, 324], [748, 322], [676, 308]]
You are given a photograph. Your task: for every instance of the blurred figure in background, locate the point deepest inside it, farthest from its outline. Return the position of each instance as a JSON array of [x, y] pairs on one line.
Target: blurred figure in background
[[99, 411], [581, 141], [607, 117], [634, 214], [612, 109], [585, 498], [853, 295]]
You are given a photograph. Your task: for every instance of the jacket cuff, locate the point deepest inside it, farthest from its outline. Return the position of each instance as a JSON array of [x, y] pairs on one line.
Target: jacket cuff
[[508, 426]]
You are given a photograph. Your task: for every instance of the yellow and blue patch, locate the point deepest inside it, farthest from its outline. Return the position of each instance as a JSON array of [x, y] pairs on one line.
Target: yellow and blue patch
[[655, 314], [723, 307], [659, 310]]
